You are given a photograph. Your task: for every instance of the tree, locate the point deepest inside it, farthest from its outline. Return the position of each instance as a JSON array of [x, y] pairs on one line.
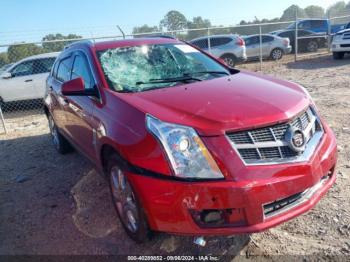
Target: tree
[[290, 12], [58, 46], [3, 59], [20, 51], [173, 20], [145, 29], [337, 9], [314, 11], [197, 23]]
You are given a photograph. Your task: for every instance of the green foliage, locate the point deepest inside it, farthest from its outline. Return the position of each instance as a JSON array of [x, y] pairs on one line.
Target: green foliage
[[173, 20], [314, 11], [57, 46], [18, 52], [197, 23], [3, 59], [337, 9], [145, 29], [291, 12]]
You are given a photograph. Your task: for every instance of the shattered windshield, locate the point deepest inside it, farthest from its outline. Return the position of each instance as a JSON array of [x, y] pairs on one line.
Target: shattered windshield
[[141, 68]]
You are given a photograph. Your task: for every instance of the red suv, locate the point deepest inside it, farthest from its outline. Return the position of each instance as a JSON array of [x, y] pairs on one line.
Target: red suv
[[190, 146]]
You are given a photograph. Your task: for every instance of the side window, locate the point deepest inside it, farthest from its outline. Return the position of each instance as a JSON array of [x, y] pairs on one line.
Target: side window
[[203, 43], [304, 25], [43, 65], [23, 69], [64, 69], [252, 40], [267, 39], [54, 69], [214, 42], [319, 24], [82, 69]]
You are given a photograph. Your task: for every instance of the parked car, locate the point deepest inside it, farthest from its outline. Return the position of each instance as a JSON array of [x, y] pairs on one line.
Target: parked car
[[189, 145], [230, 48], [341, 44], [307, 40], [317, 26], [273, 47], [25, 80], [4, 68]]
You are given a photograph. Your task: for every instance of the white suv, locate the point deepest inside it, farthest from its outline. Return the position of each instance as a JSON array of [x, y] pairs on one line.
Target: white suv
[[26, 79], [341, 44], [230, 48]]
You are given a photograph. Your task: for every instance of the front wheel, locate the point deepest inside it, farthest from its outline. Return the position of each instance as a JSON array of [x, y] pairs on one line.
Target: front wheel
[[338, 55], [126, 204], [59, 142], [230, 60], [312, 46], [276, 54]]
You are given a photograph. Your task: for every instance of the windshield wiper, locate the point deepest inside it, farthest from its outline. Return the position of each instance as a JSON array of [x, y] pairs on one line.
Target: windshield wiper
[[168, 80], [209, 72]]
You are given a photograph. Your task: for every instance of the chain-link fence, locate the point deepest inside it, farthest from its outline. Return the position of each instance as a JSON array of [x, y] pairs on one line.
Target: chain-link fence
[[23, 78]]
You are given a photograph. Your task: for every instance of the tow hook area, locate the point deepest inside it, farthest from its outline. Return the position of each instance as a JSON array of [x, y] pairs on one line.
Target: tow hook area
[[200, 241]]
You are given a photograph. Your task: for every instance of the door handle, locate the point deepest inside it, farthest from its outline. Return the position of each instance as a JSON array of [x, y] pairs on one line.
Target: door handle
[[28, 80]]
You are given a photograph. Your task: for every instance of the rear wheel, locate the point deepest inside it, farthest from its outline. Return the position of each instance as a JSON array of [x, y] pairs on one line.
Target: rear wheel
[[312, 46], [276, 54], [59, 142], [229, 59], [126, 204], [338, 55]]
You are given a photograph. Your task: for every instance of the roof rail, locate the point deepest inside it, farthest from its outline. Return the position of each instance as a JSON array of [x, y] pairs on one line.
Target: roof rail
[[162, 36], [77, 42]]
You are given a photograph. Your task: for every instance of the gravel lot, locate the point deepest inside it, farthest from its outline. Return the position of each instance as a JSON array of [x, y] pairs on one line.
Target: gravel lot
[[53, 204]]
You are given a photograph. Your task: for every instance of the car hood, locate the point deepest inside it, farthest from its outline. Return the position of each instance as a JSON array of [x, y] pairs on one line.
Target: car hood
[[213, 107], [343, 31]]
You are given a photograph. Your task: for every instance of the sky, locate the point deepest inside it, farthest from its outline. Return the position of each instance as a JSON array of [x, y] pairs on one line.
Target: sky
[[30, 20]]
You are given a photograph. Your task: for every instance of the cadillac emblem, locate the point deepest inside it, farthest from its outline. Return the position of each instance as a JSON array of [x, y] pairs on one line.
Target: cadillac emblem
[[296, 139]]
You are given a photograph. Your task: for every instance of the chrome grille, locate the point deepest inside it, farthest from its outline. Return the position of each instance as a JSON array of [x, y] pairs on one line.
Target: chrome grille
[[268, 144]]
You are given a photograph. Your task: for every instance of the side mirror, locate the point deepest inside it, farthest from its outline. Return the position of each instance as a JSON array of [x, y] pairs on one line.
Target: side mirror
[[6, 75], [76, 87]]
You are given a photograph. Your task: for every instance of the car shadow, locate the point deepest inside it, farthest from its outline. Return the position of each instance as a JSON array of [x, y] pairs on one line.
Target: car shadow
[[58, 204], [318, 63]]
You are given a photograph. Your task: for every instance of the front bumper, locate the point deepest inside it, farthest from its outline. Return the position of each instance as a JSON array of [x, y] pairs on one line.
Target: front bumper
[[340, 47], [169, 205]]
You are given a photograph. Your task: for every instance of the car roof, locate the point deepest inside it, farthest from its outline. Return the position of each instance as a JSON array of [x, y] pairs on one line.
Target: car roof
[[214, 36], [46, 55], [103, 45], [247, 36]]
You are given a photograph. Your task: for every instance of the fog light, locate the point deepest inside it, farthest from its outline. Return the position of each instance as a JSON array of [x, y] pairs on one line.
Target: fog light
[[219, 217], [212, 216]]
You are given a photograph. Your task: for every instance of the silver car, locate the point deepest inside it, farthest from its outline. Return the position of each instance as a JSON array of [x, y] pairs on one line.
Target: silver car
[[273, 47], [230, 48]]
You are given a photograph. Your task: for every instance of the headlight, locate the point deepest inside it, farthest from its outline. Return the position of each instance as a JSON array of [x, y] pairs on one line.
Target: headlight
[[187, 154], [337, 38]]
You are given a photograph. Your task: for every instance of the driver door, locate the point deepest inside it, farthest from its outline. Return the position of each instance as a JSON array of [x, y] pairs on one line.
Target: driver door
[[79, 109]]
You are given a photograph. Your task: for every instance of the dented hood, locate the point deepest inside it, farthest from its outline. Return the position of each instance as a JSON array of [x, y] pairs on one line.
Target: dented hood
[[213, 107]]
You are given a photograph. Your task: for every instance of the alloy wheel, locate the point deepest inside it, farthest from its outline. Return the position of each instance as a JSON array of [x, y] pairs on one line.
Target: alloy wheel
[[54, 132], [277, 54], [124, 199]]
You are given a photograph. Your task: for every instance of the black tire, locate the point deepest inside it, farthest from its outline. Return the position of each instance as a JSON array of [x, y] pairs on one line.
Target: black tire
[[60, 143], [312, 46], [276, 54], [338, 55], [230, 60], [138, 229]]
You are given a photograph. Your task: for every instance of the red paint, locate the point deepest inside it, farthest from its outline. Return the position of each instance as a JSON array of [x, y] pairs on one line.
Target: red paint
[[242, 101]]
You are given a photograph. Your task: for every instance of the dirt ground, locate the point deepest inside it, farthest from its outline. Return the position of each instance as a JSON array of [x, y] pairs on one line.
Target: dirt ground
[[54, 205]]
